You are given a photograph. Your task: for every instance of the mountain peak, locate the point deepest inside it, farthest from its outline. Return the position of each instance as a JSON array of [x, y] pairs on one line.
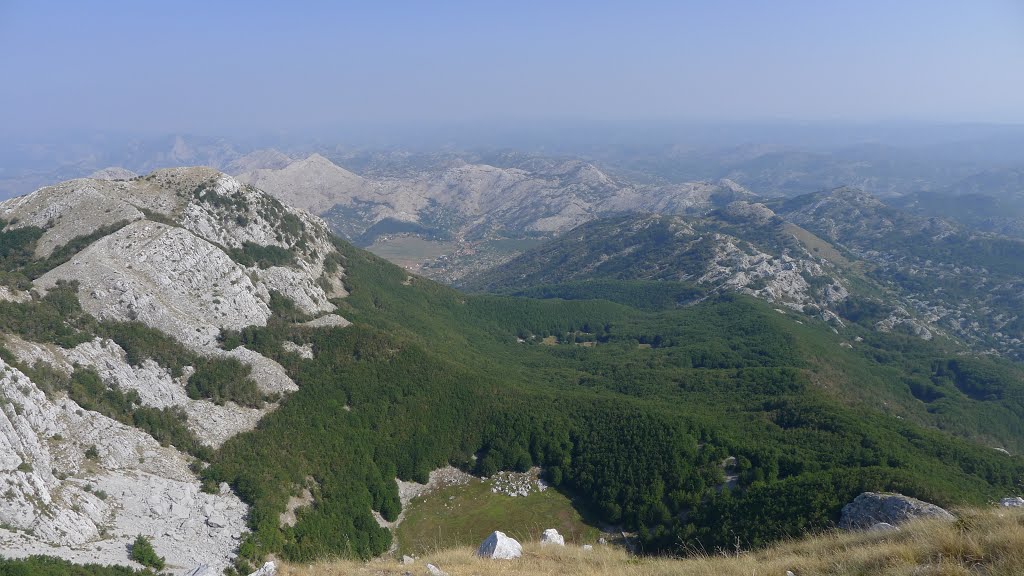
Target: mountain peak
[[113, 173]]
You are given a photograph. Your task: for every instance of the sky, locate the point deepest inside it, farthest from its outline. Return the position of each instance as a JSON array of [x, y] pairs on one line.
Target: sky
[[223, 66]]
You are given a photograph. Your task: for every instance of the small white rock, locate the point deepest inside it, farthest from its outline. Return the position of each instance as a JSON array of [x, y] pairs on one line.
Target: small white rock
[[551, 536], [268, 569]]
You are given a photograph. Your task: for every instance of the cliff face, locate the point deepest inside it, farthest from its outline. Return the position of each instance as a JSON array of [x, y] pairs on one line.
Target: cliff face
[[189, 252]]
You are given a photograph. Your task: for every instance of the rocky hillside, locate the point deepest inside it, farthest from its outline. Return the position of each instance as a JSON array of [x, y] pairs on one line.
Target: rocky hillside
[[476, 206], [744, 247], [967, 282], [313, 184], [113, 297], [466, 200]]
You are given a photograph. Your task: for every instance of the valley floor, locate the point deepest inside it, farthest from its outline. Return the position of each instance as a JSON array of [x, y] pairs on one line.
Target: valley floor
[[989, 542]]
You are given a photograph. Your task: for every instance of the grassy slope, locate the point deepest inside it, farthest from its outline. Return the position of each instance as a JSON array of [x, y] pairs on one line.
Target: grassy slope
[[464, 515], [987, 541]]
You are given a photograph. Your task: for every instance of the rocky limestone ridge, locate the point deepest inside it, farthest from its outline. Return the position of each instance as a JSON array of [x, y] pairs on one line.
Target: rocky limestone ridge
[[710, 251], [82, 486], [113, 173], [314, 183], [472, 200], [211, 423], [184, 251], [172, 267]]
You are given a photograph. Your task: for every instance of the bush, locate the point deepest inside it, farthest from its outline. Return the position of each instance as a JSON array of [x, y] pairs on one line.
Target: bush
[[143, 553], [223, 379]]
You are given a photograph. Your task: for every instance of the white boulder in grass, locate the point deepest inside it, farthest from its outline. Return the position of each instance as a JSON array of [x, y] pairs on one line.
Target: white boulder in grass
[[1014, 502], [268, 569], [498, 546], [551, 536]]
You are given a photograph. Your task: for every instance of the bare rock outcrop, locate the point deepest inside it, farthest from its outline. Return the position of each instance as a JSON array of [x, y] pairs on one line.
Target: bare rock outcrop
[[168, 279], [870, 509], [113, 173], [552, 537], [498, 546], [81, 486], [314, 183]]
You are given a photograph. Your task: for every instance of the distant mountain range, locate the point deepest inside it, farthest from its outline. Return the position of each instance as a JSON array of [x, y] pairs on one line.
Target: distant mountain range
[[475, 201], [992, 201]]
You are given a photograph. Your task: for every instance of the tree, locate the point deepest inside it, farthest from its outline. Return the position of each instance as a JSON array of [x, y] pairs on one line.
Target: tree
[[143, 553]]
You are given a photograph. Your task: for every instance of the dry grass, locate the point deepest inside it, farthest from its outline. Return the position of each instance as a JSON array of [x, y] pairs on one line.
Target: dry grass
[[982, 542]]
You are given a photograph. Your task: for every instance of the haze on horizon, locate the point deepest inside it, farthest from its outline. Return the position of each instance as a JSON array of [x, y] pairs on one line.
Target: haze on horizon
[[197, 66]]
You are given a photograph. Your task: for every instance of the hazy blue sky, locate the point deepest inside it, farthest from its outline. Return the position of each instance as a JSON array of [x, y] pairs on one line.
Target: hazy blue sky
[[187, 66]]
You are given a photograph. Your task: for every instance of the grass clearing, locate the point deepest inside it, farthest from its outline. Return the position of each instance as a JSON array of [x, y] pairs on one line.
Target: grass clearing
[[463, 515], [818, 246], [410, 251]]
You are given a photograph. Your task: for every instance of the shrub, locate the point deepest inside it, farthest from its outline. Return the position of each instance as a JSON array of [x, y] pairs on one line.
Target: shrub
[[143, 553]]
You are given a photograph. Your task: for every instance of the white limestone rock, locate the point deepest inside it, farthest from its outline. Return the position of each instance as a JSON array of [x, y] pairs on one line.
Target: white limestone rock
[[166, 278], [113, 173], [498, 546], [304, 351], [88, 510], [552, 537], [327, 321], [268, 569], [870, 508], [883, 527], [1012, 502]]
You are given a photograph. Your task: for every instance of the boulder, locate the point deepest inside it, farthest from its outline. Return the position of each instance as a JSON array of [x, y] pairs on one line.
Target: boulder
[[1012, 502], [883, 527], [201, 570], [498, 546], [587, 547], [551, 536], [872, 508], [407, 560], [268, 569], [435, 571]]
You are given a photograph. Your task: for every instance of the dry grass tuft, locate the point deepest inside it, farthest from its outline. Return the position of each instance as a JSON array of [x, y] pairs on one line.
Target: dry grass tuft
[[988, 542]]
